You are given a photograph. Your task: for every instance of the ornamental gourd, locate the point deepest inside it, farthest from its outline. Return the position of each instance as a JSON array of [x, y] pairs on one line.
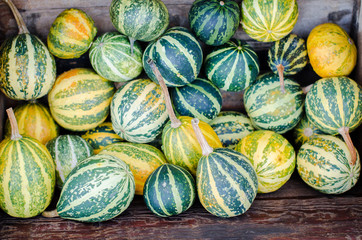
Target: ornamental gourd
[[304, 131], [27, 69]]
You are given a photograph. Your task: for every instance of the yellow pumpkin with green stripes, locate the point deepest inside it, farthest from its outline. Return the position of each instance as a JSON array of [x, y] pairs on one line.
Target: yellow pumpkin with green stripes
[[272, 157]]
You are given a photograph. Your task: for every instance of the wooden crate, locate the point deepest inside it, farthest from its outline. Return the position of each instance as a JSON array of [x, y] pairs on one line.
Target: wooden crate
[[294, 211]]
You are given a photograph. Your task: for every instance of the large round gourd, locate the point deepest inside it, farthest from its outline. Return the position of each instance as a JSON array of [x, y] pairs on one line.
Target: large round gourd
[[325, 164], [232, 66], [98, 189], [331, 51], [268, 20], [169, 190], [27, 69], [272, 157], [142, 160], [71, 34], [111, 57], [213, 21], [34, 120], [271, 109], [178, 56], [27, 174], [138, 111], [80, 99], [67, 151]]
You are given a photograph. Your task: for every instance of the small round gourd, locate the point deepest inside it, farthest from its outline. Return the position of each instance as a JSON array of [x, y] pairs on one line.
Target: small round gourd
[[325, 164], [232, 66], [169, 190], [71, 34], [214, 21], [272, 157], [304, 131]]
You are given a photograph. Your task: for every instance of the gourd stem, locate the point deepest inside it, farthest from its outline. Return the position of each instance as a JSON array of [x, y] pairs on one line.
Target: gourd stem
[[280, 69], [222, 3], [175, 122], [344, 131], [306, 89], [131, 41], [19, 20], [15, 135], [50, 214], [206, 149]]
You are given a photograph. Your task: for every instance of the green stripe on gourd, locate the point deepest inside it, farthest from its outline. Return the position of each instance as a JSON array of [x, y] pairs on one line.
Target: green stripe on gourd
[[142, 160], [214, 21], [233, 66], [231, 127], [99, 188], [111, 57], [27, 174], [268, 20], [271, 109], [325, 164], [138, 111], [304, 131], [67, 151], [334, 105], [272, 157], [200, 99], [177, 55], [80, 99], [169, 190]]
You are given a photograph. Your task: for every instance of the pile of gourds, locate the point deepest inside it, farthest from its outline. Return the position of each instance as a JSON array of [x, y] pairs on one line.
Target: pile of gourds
[[224, 157]]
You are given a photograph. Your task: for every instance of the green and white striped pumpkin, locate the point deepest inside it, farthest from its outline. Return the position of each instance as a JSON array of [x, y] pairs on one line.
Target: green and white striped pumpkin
[[271, 109], [80, 99], [231, 127], [213, 21], [272, 157], [233, 66], [177, 55], [101, 136], [138, 111], [111, 57], [324, 163], [268, 20], [99, 188], [143, 20], [200, 99], [142, 160], [67, 151], [304, 131], [169, 190]]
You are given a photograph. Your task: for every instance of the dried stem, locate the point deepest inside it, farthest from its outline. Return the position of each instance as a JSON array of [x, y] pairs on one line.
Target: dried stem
[[306, 89], [280, 69], [175, 122], [344, 131], [19, 20], [50, 214], [15, 135], [206, 149]]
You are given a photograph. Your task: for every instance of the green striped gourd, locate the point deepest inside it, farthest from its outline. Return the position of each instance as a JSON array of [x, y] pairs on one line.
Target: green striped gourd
[[27, 69], [101, 136], [177, 55], [139, 19], [142, 160], [226, 181], [271, 109], [138, 111], [71, 34], [179, 143], [334, 105], [272, 157], [111, 57], [213, 21], [287, 56], [231, 127], [27, 174], [99, 188], [169, 190], [34, 120], [200, 99], [67, 151], [80, 99], [325, 164], [304, 131], [233, 66], [268, 20]]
